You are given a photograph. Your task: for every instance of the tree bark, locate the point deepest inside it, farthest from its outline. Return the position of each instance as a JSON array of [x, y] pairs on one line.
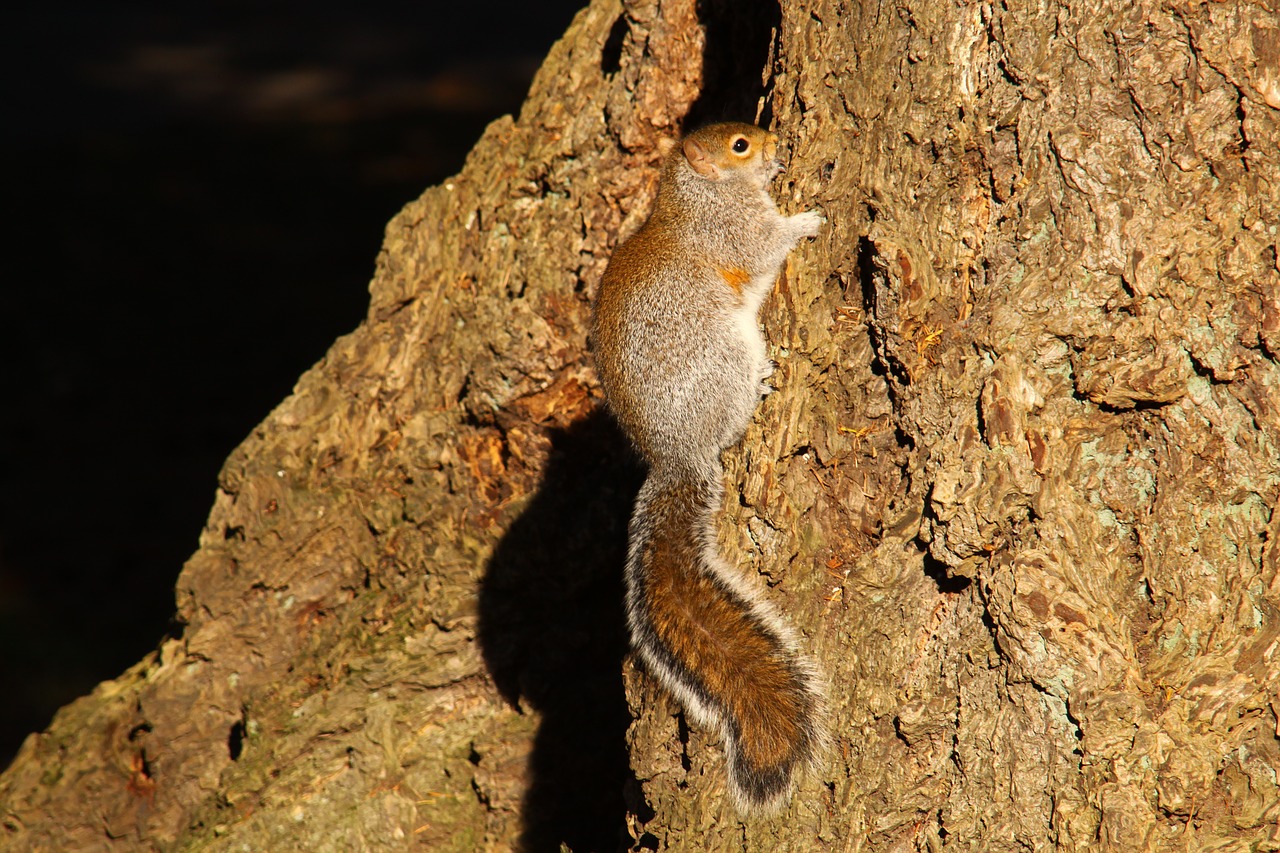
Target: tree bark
[[1017, 489]]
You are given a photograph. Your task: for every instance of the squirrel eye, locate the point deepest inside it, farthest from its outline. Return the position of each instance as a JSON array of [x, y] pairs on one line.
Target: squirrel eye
[[740, 145]]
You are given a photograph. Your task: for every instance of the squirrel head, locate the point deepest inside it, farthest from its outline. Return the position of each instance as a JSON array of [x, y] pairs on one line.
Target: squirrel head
[[732, 151]]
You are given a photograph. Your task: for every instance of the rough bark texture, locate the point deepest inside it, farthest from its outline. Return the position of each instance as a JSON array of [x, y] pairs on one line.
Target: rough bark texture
[[1017, 488]]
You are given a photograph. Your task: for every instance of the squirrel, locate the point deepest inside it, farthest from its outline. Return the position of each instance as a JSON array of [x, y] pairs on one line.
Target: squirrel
[[683, 363]]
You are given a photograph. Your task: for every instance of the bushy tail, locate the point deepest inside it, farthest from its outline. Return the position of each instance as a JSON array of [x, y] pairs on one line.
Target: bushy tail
[[710, 638]]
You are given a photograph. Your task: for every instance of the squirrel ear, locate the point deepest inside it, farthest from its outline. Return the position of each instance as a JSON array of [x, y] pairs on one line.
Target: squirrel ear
[[699, 159]]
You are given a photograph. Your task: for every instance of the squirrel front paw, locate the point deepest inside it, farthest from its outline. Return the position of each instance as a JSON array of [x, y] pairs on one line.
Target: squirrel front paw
[[807, 224]]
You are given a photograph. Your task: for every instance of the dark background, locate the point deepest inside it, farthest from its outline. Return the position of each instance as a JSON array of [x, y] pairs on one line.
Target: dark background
[[195, 195]]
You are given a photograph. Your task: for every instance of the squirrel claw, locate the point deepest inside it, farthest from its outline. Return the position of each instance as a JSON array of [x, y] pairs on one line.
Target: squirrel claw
[[766, 370]]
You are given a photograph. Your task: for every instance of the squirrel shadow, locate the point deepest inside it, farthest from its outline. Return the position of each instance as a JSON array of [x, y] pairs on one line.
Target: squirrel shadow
[[553, 634]]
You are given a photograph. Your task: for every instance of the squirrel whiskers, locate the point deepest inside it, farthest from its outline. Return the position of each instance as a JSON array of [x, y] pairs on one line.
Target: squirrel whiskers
[[683, 363]]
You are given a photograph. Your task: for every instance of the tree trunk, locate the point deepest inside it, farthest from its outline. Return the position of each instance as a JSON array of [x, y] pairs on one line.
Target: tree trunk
[[1017, 488]]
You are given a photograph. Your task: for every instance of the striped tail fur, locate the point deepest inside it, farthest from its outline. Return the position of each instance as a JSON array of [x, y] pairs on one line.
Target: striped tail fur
[[711, 639]]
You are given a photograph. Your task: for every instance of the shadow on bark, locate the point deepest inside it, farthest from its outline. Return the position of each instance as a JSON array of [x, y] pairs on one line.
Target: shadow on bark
[[553, 633], [736, 61]]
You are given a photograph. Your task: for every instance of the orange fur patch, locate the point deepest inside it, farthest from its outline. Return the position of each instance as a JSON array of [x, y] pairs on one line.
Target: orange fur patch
[[735, 278]]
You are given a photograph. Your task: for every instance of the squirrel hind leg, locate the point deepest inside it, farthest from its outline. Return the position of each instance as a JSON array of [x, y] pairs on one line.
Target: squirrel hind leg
[[767, 368]]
